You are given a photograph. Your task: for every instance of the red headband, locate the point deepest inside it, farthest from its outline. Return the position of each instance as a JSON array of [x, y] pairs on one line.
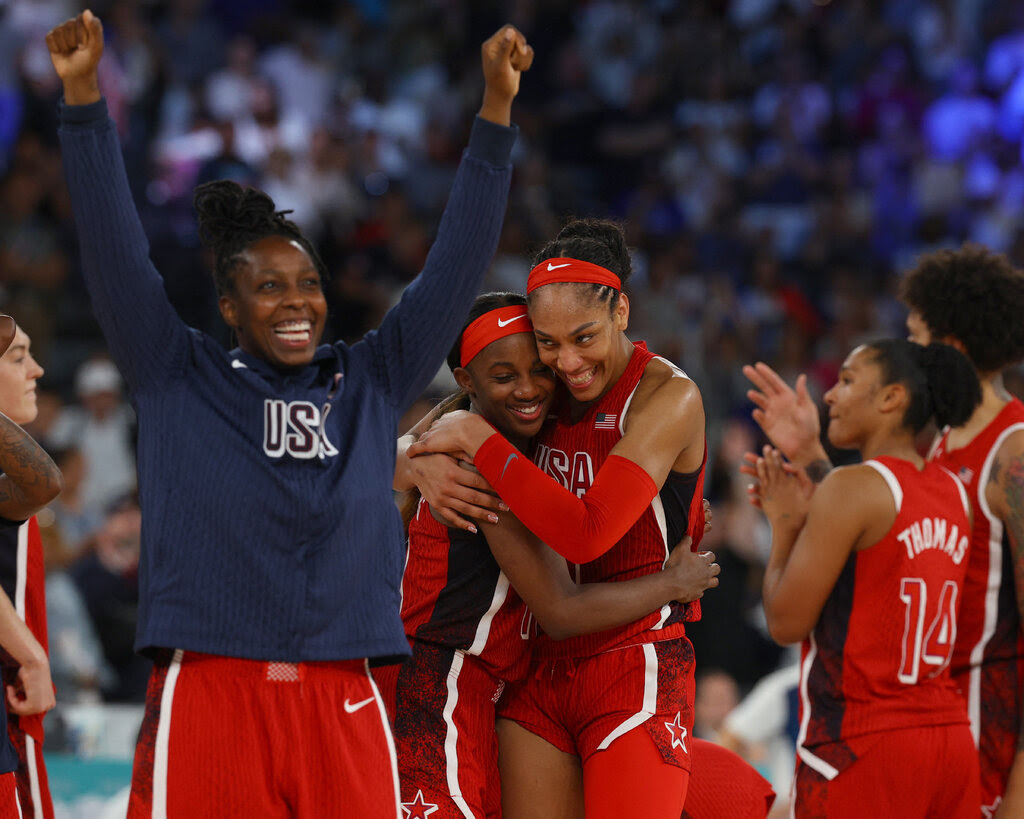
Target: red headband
[[570, 270], [492, 325]]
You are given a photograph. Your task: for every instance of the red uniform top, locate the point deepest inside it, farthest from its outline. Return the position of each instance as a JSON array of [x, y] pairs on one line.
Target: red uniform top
[[572, 453], [987, 659], [878, 658], [22, 576], [455, 595]]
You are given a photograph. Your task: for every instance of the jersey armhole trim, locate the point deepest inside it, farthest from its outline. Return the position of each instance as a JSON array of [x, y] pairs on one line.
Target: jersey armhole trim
[[890, 479]]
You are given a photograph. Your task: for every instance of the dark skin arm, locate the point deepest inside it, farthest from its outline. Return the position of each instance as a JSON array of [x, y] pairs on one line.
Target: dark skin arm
[[455, 494], [565, 609], [1005, 496]]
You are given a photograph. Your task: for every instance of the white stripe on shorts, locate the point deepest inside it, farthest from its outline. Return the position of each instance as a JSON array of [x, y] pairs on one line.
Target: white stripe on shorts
[[163, 736], [33, 778], [451, 737], [650, 699], [386, 724]]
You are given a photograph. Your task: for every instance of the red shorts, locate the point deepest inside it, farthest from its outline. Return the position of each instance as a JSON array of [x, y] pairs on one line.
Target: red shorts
[[723, 784], [229, 737], [10, 804], [442, 702], [583, 705], [32, 783], [930, 771]]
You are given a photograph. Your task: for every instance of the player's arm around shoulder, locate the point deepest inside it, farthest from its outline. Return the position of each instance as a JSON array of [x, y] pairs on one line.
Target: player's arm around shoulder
[[664, 428], [851, 509], [1005, 497]]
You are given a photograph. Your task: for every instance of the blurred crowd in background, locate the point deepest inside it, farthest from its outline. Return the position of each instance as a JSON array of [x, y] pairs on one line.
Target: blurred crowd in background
[[776, 163]]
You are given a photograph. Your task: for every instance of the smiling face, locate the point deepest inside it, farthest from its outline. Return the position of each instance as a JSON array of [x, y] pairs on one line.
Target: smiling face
[[276, 305], [579, 339], [510, 386], [852, 409], [19, 373]]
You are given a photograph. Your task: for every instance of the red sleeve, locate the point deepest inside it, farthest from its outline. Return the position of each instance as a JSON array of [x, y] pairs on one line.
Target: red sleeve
[[579, 529]]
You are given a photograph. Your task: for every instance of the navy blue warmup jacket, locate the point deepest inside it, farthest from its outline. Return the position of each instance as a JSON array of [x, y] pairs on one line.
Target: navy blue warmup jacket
[[269, 530]]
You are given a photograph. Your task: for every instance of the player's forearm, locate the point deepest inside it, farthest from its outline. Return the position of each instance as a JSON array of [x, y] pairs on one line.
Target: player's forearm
[[775, 605], [813, 458], [81, 90], [598, 606], [403, 481], [16, 638]]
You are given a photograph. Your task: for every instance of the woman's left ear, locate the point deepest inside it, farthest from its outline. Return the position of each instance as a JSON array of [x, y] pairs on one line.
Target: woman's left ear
[[464, 380], [893, 396], [621, 316]]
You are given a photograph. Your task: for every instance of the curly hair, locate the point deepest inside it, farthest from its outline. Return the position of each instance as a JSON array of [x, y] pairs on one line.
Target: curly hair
[[232, 217], [973, 295], [598, 241]]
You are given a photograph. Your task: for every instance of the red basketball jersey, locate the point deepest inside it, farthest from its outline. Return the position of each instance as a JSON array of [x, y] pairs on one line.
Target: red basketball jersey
[[987, 659], [455, 595], [23, 575], [878, 658], [572, 453]]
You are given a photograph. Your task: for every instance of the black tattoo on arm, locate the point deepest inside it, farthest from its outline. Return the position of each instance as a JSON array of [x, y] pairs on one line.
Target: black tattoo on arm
[[1008, 478], [817, 470], [30, 478]]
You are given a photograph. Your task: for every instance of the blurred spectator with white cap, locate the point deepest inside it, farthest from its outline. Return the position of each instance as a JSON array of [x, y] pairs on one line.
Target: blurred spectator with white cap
[[101, 425]]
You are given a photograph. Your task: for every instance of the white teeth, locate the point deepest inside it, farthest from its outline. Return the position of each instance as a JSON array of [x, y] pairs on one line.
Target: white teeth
[[580, 379], [528, 410], [295, 332]]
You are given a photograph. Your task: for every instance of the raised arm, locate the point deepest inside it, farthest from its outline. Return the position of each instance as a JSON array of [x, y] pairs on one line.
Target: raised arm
[[143, 331], [1005, 497], [668, 427], [789, 418], [564, 609], [416, 334]]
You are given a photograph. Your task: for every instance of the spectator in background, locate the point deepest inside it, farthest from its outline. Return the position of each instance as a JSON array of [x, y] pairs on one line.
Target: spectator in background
[[106, 577], [102, 427], [74, 522], [762, 729], [716, 695]]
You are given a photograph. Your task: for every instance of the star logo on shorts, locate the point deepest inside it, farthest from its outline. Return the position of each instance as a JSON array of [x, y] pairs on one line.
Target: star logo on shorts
[[989, 811], [419, 808], [678, 732]]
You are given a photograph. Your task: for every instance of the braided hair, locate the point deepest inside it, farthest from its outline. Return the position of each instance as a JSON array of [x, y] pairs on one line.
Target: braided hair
[[232, 217], [598, 241]]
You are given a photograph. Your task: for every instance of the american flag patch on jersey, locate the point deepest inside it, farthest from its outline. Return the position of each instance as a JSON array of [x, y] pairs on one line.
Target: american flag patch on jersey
[[605, 420], [965, 475]]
